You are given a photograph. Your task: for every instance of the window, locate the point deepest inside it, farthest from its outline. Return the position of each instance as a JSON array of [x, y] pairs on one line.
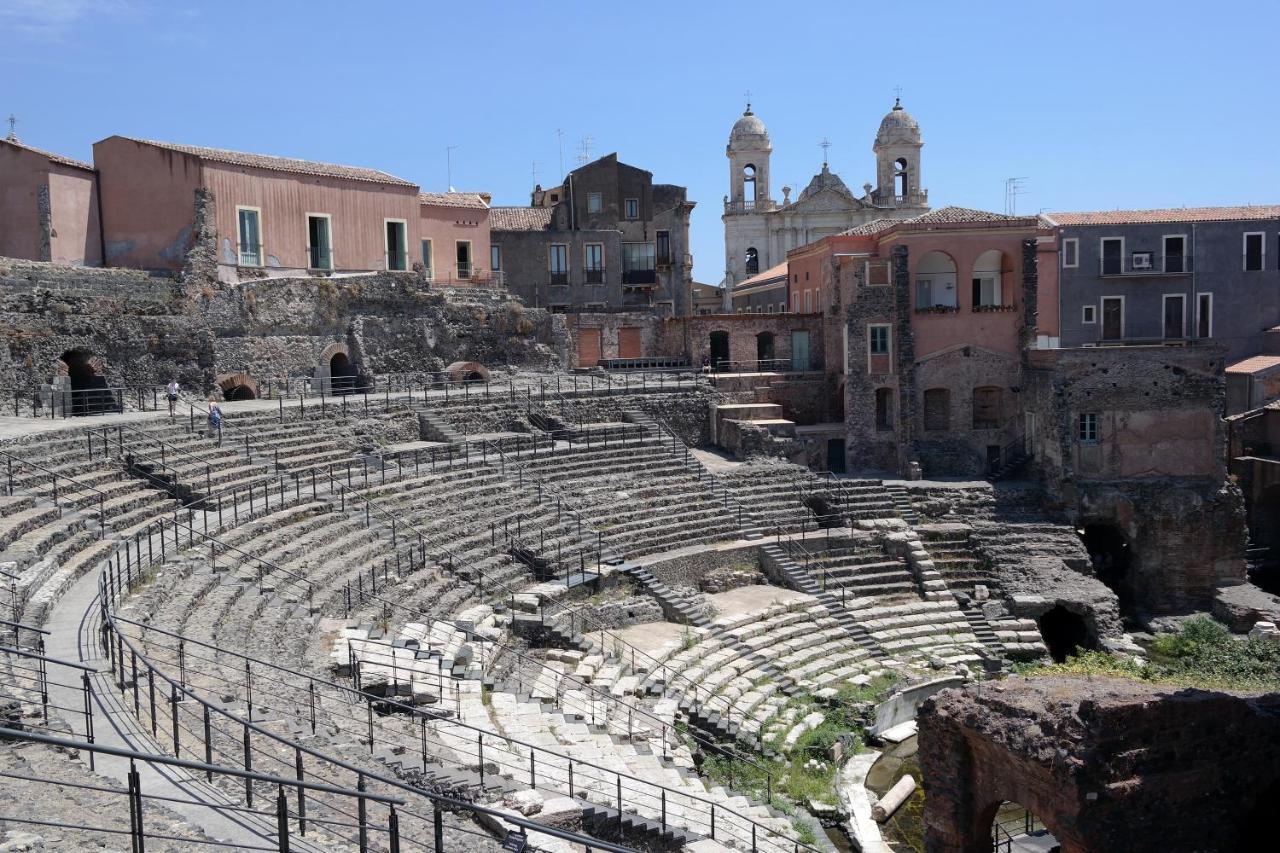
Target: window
[[808, 302], [1087, 429], [782, 307], [637, 263], [250, 220], [632, 208], [795, 303], [937, 409], [664, 248], [884, 408], [935, 281], [396, 244], [1089, 314], [901, 185], [319, 251], [1071, 253], [986, 407], [1112, 255], [594, 203], [1254, 252], [558, 263], [426, 257], [1175, 253], [878, 339], [749, 186], [753, 261], [986, 279], [462, 251], [495, 257], [1175, 316], [1204, 315], [1112, 318], [593, 262]]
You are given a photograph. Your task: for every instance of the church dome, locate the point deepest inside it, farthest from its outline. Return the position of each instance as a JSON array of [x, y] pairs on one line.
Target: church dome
[[749, 132], [898, 127], [826, 179]]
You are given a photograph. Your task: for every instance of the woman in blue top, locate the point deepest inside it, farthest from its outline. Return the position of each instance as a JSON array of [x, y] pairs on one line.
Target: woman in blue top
[[215, 420]]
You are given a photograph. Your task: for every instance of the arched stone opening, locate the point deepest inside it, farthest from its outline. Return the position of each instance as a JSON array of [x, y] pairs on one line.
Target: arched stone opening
[[824, 513], [238, 386], [753, 261], [89, 391], [467, 371], [343, 376], [1017, 828], [1112, 557], [936, 281], [719, 349], [765, 349], [1065, 633]]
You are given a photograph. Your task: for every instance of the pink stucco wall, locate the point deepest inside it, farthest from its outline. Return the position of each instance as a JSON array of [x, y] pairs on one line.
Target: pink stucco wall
[[72, 208], [997, 331], [22, 172], [148, 203], [73, 197], [358, 210], [1048, 303], [444, 226]]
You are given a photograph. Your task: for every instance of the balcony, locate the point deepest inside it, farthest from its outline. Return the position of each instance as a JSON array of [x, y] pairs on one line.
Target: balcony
[[558, 278], [250, 254], [758, 206], [464, 270], [994, 309], [1145, 264], [595, 276], [639, 277]]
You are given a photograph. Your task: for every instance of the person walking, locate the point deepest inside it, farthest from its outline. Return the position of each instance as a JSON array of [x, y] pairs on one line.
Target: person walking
[[215, 420], [171, 391]]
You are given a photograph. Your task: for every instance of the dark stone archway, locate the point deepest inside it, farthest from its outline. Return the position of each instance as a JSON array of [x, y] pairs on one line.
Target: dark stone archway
[[765, 351], [1113, 560], [719, 349], [89, 392], [343, 375], [1065, 633]]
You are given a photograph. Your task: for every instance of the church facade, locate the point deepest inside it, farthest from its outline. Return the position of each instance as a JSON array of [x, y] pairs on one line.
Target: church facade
[[758, 231]]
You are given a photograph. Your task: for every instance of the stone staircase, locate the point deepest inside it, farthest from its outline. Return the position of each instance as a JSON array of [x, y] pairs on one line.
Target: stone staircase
[[902, 503], [676, 606], [794, 576]]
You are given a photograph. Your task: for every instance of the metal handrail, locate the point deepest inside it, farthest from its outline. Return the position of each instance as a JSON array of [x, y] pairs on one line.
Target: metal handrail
[[473, 636], [102, 496], [108, 582]]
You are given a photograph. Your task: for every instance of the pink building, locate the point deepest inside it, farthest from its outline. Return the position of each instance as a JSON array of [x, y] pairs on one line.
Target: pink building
[[48, 206], [281, 216]]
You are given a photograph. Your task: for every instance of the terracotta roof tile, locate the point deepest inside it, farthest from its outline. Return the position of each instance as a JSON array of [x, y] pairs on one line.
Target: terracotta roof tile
[[53, 158], [959, 215], [779, 271], [280, 164], [1254, 364], [870, 229], [1168, 214], [472, 200], [520, 218]]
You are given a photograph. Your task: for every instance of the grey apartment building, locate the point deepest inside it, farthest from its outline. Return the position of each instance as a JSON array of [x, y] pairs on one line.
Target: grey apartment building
[[608, 238], [1170, 276]]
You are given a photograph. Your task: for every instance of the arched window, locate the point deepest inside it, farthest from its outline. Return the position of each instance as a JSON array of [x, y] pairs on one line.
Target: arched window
[[987, 291], [749, 184], [901, 186], [937, 409], [753, 261], [935, 281], [884, 408], [987, 404]]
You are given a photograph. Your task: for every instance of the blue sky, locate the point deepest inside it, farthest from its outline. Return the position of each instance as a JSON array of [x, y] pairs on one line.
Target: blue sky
[[1097, 105]]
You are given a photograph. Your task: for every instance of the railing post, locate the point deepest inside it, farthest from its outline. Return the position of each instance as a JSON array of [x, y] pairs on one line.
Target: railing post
[[135, 809], [282, 821]]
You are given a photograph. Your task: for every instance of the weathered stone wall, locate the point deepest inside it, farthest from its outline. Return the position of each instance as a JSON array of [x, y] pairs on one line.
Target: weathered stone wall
[[1107, 764], [144, 330], [870, 448], [691, 336], [1157, 471], [960, 450]]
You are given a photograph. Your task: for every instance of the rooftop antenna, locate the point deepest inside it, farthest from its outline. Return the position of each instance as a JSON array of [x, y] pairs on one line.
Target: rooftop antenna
[[560, 140], [1012, 189], [13, 123], [535, 173], [584, 157], [824, 145], [448, 155]]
